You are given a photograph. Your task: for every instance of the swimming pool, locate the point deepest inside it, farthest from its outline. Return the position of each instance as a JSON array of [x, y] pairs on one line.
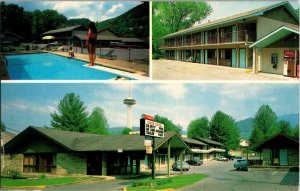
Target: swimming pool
[[46, 66]]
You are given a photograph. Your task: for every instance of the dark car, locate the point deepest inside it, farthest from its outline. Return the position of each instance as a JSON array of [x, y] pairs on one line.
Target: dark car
[[230, 157], [185, 166], [195, 162]]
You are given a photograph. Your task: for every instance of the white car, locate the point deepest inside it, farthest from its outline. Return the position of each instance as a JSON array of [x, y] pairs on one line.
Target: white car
[[221, 158]]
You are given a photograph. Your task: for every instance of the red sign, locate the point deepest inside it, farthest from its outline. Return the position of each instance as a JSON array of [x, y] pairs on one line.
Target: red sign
[[289, 54], [149, 117]]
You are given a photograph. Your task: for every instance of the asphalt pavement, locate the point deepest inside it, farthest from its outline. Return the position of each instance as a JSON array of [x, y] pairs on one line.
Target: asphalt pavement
[[223, 177]]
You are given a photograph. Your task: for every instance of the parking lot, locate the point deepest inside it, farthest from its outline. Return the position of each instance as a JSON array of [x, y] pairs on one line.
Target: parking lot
[[176, 70], [223, 177]]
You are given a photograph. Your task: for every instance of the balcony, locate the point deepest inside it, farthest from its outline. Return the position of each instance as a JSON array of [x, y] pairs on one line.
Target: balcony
[[229, 37], [246, 36]]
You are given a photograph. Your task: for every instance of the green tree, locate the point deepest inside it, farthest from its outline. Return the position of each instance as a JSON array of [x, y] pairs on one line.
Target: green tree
[[97, 122], [199, 128], [126, 131], [2, 127], [46, 20], [171, 16], [295, 132], [285, 127], [265, 122], [169, 125], [71, 116], [223, 129]]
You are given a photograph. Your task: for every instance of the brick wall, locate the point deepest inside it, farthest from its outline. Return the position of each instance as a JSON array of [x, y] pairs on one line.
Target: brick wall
[[12, 162], [70, 163]]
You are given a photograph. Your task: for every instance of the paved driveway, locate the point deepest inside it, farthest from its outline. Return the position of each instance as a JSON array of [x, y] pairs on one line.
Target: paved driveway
[[222, 177], [176, 70]]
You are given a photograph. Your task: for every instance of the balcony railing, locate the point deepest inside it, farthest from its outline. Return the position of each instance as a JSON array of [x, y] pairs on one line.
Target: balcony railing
[[229, 37]]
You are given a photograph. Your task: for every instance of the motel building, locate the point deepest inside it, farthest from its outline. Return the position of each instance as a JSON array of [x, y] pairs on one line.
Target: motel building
[[58, 152], [204, 149], [263, 40], [47, 150]]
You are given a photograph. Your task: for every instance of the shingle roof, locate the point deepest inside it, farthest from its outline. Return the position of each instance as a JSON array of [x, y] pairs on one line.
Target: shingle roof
[[6, 136], [281, 139], [193, 141], [209, 141], [248, 14], [75, 141], [66, 29]]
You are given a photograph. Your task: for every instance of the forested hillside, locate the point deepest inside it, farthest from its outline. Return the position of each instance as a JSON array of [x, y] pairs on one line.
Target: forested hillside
[[30, 25], [133, 23]]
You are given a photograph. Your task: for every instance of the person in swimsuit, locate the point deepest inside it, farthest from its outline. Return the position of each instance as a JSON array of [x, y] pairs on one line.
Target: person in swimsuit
[[91, 43]]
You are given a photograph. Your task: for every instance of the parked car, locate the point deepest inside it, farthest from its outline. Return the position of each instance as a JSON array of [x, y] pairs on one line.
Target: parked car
[[185, 166], [195, 162], [229, 157], [241, 164], [221, 158]]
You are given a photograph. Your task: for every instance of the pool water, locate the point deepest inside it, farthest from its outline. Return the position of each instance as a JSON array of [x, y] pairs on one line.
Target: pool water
[[52, 67]]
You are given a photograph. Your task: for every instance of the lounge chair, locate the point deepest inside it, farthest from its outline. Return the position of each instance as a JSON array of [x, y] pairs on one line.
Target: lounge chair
[[108, 55]]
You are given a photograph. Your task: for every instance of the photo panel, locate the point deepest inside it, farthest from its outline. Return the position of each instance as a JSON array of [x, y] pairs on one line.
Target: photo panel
[[116, 129], [75, 40]]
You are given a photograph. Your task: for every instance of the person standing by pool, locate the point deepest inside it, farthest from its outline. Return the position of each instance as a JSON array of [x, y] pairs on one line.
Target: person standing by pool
[[91, 43], [71, 52]]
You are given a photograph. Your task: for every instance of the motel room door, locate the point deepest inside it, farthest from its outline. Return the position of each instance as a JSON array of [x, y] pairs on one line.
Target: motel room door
[[242, 58], [233, 58], [94, 164], [283, 159]]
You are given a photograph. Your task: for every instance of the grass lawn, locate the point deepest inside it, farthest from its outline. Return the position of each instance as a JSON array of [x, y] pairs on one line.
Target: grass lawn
[[42, 181], [173, 182]]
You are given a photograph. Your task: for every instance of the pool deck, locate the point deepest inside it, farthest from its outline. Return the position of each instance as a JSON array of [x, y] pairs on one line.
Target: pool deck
[[135, 70]]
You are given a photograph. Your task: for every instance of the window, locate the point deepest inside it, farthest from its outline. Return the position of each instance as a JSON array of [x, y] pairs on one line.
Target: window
[[40, 163], [274, 60]]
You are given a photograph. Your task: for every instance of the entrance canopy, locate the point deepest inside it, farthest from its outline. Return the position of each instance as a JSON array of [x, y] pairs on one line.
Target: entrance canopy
[[274, 36]]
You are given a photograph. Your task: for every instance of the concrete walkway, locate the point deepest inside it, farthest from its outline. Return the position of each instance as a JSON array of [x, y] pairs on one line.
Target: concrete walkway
[[176, 70], [139, 70]]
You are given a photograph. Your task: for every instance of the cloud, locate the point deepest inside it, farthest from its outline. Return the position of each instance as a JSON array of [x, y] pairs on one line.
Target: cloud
[[93, 10], [176, 91], [22, 105], [115, 8]]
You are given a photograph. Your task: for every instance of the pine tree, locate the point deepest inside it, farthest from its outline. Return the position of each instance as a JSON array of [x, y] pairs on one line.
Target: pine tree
[[71, 114]]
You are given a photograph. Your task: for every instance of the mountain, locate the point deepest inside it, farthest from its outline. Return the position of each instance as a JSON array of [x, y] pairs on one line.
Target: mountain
[[133, 23], [292, 118], [245, 125]]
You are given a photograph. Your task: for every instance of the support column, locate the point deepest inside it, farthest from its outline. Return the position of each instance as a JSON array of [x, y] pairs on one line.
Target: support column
[[254, 61], [217, 57], [104, 165], [169, 156], [218, 38], [237, 57], [247, 57], [153, 158]]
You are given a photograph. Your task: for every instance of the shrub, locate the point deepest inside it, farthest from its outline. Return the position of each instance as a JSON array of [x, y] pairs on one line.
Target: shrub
[[156, 56], [152, 183], [43, 176], [14, 173]]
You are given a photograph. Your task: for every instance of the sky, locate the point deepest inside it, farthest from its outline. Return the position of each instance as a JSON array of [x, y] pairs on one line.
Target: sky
[[222, 9], [25, 104], [93, 10]]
